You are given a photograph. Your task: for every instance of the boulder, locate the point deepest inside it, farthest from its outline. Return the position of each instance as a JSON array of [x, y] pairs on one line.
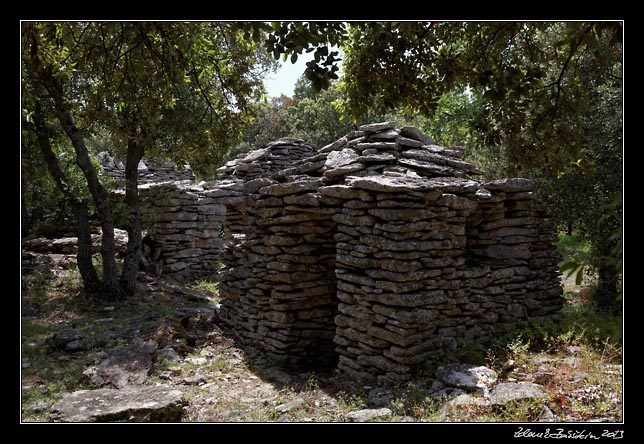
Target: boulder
[[124, 366], [130, 404]]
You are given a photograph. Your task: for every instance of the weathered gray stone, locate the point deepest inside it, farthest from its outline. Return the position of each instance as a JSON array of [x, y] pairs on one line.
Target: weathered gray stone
[[547, 415], [521, 251], [409, 142], [466, 376], [166, 355], [61, 339], [344, 170], [358, 139], [292, 187], [344, 192], [252, 186], [506, 392], [124, 366], [378, 146], [39, 406], [390, 242], [457, 202], [366, 415], [416, 134], [517, 311], [337, 159], [38, 244], [468, 399], [510, 185], [400, 214], [429, 167], [334, 145], [483, 194], [130, 404], [390, 134], [380, 397], [382, 363], [290, 405], [195, 379], [377, 127], [376, 158], [380, 183]]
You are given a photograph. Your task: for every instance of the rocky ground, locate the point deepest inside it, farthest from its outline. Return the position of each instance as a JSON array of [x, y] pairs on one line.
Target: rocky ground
[[162, 357]]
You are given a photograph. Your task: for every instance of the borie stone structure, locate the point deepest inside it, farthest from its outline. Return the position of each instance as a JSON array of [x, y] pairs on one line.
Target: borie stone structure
[[382, 251], [375, 254]]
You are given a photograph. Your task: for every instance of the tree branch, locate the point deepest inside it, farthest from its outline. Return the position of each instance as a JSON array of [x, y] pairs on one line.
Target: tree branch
[[558, 82]]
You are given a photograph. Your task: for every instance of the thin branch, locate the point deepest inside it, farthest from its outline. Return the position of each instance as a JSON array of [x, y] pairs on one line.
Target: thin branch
[[558, 83], [205, 96]]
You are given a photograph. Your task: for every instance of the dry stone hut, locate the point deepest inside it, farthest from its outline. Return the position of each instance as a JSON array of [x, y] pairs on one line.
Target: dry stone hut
[[149, 172], [184, 221], [382, 251]]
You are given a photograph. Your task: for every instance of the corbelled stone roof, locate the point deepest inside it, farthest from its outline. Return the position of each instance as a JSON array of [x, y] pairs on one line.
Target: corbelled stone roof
[[381, 148]]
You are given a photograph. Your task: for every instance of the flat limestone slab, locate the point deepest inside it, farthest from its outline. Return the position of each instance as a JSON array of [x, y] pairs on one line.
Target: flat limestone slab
[[466, 376], [515, 391], [130, 404]]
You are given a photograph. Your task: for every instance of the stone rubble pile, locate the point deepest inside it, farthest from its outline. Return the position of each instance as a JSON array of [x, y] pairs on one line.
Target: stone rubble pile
[[258, 163], [384, 248], [275, 157], [148, 171], [381, 148]]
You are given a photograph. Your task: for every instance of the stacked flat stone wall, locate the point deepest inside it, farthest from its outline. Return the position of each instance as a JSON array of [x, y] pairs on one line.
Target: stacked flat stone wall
[[282, 296], [378, 252], [185, 223], [383, 251], [413, 286], [149, 172]]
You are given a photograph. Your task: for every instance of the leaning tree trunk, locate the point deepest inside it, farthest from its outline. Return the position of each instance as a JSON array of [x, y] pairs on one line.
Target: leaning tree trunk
[[84, 253], [111, 288], [133, 253], [86, 268]]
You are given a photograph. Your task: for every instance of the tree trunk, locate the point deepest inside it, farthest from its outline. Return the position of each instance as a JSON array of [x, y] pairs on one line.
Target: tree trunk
[[606, 294], [92, 284], [111, 289], [84, 254], [25, 218], [133, 254]]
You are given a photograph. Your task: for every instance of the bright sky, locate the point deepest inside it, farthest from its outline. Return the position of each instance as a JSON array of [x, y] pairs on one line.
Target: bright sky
[[283, 81]]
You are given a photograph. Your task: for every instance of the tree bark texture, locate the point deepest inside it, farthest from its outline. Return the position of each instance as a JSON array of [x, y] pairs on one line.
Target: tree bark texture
[[111, 289], [91, 281], [133, 254]]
